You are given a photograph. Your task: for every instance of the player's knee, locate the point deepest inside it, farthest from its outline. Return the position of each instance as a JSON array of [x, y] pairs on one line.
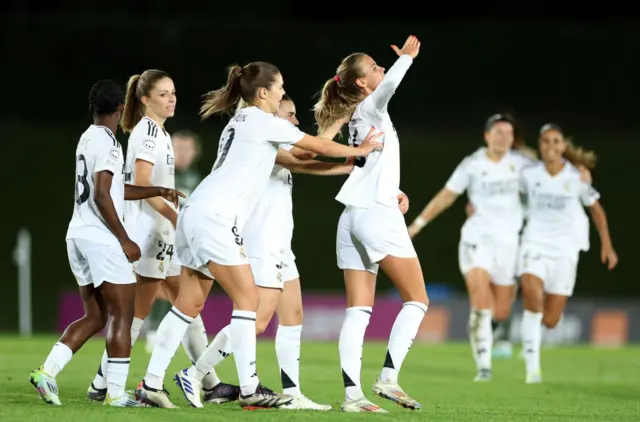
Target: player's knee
[[501, 312], [96, 321], [550, 321]]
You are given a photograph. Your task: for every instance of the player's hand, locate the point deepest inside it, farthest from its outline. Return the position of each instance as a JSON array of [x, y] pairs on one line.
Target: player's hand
[[411, 47], [370, 143], [585, 175], [608, 255], [172, 195], [403, 203], [131, 250]]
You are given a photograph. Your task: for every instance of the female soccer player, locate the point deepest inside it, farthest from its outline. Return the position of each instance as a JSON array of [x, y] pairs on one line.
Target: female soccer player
[[489, 239], [150, 101], [371, 230], [553, 237], [100, 251], [209, 237]]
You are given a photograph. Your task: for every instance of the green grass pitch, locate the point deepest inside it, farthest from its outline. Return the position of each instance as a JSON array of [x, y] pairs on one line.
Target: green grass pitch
[[580, 384]]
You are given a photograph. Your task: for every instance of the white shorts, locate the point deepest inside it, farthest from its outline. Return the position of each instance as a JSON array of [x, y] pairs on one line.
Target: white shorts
[[204, 237], [272, 270], [156, 259], [499, 259], [558, 273], [368, 235], [95, 263]]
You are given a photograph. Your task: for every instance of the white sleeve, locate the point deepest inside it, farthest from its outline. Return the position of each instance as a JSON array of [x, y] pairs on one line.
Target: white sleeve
[[108, 158], [280, 131], [459, 180], [588, 194], [286, 147], [144, 148], [380, 98]]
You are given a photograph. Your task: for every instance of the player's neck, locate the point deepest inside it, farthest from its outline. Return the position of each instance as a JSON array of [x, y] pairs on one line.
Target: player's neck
[[554, 167], [158, 120], [109, 123], [495, 156]]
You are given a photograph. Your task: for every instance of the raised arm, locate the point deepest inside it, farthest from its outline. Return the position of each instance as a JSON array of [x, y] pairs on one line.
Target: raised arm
[[382, 94], [443, 200], [328, 148]]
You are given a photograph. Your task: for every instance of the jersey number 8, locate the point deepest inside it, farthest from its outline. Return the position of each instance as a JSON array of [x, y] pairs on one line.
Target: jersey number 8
[[82, 184]]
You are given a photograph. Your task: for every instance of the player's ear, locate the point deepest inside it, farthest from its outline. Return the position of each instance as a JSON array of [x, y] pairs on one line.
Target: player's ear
[[360, 83], [144, 100], [262, 93]]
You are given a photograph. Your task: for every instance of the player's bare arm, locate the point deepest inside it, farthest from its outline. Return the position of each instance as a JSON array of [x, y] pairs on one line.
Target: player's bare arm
[[107, 210], [143, 178], [607, 253], [133, 193], [287, 160]]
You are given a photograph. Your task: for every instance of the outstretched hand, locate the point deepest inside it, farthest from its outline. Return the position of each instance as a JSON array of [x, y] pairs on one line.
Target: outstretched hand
[[411, 47]]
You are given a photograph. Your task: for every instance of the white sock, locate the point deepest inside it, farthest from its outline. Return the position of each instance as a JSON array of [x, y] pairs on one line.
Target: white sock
[[350, 346], [288, 353], [243, 344], [481, 337], [195, 342], [170, 332], [58, 358], [136, 326], [403, 333], [117, 371], [531, 339], [215, 353], [100, 381]]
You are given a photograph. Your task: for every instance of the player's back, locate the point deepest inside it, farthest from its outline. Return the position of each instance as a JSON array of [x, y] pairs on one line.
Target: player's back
[[246, 157], [98, 150]]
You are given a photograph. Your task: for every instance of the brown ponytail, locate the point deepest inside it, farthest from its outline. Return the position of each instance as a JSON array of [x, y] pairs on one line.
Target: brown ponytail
[[132, 106], [138, 86], [242, 83], [340, 95], [579, 156]]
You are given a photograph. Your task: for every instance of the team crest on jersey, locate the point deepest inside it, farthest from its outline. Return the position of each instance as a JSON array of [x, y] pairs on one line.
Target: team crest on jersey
[[513, 168], [567, 186], [149, 144], [114, 153], [279, 276], [161, 266], [243, 252]]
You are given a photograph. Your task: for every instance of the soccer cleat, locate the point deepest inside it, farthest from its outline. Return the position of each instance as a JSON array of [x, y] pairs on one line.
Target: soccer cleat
[[484, 375], [123, 401], [534, 378], [263, 398], [301, 402], [190, 387], [96, 394], [153, 397], [502, 350], [221, 393], [360, 406], [395, 393], [46, 386]]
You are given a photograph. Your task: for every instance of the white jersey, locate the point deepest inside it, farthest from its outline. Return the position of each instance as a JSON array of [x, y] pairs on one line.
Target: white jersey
[[556, 217], [151, 143], [98, 150], [246, 157], [376, 178], [493, 189]]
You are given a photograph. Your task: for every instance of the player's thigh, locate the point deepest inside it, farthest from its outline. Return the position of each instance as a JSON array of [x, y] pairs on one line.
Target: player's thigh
[[171, 287], [237, 281], [146, 292], [350, 252], [360, 287], [289, 307], [406, 275], [95, 307]]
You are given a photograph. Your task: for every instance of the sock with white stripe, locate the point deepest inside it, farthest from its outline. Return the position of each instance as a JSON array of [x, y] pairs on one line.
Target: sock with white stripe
[[402, 335]]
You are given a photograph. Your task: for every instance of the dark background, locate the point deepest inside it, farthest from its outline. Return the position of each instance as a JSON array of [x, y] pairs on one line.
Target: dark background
[[569, 64]]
